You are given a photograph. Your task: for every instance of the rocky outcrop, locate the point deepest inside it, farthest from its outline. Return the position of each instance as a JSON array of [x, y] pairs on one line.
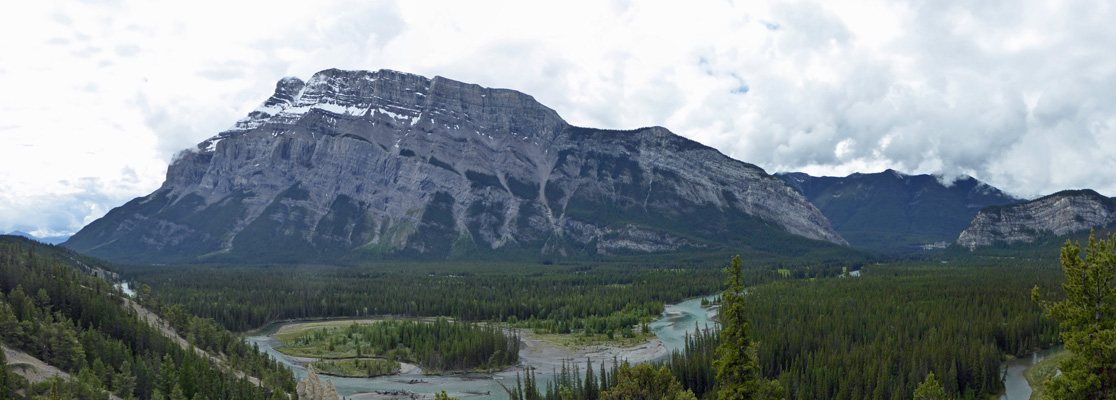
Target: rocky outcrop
[[358, 163], [1059, 214], [893, 211], [311, 387]]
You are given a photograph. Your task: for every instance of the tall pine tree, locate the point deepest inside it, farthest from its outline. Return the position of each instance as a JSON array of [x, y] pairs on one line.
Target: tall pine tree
[[646, 382], [5, 382], [737, 368], [1088, 321]]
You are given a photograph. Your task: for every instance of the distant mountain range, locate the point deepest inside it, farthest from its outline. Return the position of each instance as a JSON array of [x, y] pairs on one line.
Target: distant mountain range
[[358, 164], [891, 211], [46, 239], [354, 165]]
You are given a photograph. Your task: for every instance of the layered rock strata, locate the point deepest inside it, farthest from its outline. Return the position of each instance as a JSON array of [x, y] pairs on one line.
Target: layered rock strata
[[353, 163], [1059, 214]]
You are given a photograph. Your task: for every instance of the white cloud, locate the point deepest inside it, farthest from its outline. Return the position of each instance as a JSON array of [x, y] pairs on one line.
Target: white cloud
[[1018, 94]]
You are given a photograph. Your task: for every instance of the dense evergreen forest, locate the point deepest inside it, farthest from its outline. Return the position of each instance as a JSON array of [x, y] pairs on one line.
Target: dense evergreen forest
[[874, 337], [356, 367], [84, 326], [691, 367], [568, 383], [621, 381], [879, 335], [437, 346], [545, 298]]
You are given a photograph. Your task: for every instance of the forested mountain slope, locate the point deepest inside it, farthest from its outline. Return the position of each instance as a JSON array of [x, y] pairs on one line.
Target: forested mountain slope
[[359, 164], [87, 328], [892, 211]]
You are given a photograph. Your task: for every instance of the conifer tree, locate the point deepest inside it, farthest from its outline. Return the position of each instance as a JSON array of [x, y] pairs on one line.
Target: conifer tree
[[5, 382], [1088, 321], [10, 331], [168, 377], [278, 395], [590, 382], [176, 393], [737, 368], [604, 378], [646, 382], [124, 382], [930, 389]]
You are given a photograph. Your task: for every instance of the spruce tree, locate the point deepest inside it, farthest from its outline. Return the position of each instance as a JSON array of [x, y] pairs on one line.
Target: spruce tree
[[590, 382], [5, 382], [738, 372], [930, 389], [168, 376], [177, 394], [1088, 322], [646, 382], [123, 382], [279, 395], [604, 378]]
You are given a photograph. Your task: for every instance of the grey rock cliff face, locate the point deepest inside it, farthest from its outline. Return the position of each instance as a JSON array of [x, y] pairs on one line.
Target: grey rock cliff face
[[1058, 214], [392, 163]]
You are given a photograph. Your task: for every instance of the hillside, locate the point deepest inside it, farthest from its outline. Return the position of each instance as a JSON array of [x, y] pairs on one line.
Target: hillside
[[56, 318]]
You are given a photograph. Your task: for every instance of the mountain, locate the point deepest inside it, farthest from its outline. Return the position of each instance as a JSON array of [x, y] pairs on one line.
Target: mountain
[[356, 164], [1059, 214], [892, 211], [47, 239]]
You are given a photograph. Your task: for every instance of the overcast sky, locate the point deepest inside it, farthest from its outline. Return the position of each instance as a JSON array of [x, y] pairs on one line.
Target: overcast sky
[[99, 96]]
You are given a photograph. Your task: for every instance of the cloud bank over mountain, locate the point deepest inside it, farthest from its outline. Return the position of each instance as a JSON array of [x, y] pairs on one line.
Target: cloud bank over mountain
[[100, 97]]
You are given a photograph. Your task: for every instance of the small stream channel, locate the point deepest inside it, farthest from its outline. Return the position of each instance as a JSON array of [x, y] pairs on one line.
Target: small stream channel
[[1015, 385]]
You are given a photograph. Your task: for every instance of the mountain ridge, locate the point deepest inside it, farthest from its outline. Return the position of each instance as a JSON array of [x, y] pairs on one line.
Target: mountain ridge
[[892, 211], [359, 163], [1058, 214], [45, 239]]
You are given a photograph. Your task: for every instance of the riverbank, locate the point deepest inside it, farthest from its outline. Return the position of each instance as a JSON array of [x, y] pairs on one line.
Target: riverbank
[[1016, 385], [289, 331], [1045, 370], [544, 355], [541, 352], [366, 348]]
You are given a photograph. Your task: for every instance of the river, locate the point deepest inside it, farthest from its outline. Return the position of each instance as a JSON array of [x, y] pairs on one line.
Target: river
[[677, 321], [1015, 385]]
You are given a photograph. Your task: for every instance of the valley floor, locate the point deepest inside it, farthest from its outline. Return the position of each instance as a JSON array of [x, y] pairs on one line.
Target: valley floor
[[545, 355], [541, 352]]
